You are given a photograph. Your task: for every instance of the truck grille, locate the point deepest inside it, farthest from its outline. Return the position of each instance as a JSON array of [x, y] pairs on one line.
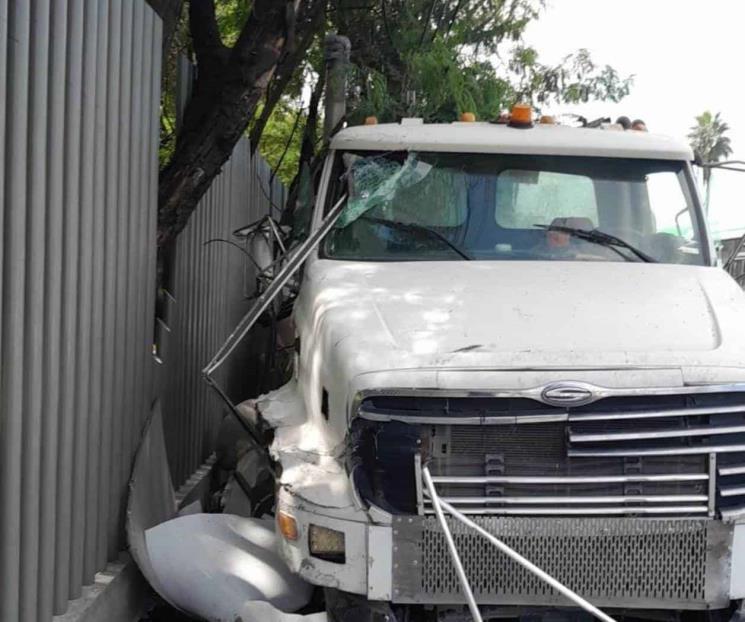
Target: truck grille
[[657, 455]]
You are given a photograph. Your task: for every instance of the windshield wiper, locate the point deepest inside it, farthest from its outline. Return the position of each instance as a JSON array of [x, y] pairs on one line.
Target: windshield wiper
[[405, 226], [599, 237]]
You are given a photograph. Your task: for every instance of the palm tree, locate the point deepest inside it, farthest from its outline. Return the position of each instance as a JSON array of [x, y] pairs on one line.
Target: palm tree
[[709, 144]]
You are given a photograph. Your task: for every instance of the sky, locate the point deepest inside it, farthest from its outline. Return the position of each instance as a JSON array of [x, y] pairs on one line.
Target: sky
[[686, 57]]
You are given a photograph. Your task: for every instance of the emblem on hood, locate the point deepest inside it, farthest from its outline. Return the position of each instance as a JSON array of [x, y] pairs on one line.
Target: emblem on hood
[[568, 394]]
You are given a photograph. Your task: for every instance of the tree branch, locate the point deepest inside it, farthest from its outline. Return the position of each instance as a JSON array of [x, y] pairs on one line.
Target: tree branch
[[295, 125], [427, 22], [310, 131], [310, 24], [205, 32], [217, 116]]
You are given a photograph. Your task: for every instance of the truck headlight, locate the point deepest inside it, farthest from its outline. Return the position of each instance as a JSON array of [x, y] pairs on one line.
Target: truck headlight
[[327, 544]]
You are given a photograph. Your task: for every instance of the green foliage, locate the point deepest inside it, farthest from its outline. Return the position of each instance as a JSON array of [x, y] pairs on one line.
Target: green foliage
[[180, 46], [427, 58], [577, 79], [231, 15], [446, 86], [280, 142], [437, 58], [710, 145], [708, 139]]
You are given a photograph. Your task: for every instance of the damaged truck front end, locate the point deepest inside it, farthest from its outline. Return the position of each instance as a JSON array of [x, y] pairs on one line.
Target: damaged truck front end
[[518, 381], [582, 402]]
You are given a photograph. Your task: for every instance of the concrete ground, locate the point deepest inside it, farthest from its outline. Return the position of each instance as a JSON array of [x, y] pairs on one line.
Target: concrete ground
[[157, 610]]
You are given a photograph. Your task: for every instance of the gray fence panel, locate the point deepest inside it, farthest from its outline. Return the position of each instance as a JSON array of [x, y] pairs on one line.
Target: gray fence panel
[[33, 376], [210, 285], [14, 267], [78, 180], [99, 418], [69, 299], [52, 308], [737, 267]]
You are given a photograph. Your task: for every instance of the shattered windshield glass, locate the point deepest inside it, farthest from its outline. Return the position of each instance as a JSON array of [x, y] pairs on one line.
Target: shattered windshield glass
[[409, 206]]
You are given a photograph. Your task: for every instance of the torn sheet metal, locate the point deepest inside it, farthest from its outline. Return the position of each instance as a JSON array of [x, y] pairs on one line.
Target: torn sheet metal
[[216, 567], [296, 258], [221, 567], [152, 500], [282, 407]]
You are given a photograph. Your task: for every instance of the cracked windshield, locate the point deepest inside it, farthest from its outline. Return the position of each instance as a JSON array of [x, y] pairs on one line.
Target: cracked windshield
[[408, 206]]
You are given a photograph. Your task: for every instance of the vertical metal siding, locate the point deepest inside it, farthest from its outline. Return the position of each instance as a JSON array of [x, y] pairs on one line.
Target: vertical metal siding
[[14, 269], [71, 206], [52, 308], [210, 285], [94, 508], [78, 181], [34, 303]]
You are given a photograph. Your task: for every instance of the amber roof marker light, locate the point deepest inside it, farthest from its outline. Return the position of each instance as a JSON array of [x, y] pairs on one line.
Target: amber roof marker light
[[467, 117], [521, 116]]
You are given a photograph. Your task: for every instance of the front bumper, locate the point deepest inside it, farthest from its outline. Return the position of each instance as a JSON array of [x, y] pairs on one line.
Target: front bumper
[[613, 562], [642, 563]]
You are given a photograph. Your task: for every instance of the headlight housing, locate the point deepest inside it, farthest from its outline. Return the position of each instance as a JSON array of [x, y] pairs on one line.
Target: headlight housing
[[327, 544]]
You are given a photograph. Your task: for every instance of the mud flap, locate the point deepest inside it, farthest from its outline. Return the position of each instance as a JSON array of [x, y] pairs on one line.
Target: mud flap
[[216, 567]]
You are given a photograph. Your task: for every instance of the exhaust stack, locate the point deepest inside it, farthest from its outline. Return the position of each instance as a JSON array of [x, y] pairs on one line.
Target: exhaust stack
[[336, 57]]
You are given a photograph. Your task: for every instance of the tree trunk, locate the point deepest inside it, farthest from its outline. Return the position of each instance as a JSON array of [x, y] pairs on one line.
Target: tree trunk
[[230, 83]]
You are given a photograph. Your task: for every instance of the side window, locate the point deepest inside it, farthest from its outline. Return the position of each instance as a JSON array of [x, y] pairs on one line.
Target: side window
[[528, 198], [667, 204]]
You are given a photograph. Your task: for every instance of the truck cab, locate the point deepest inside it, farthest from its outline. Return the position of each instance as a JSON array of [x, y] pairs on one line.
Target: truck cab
[[535, 315]]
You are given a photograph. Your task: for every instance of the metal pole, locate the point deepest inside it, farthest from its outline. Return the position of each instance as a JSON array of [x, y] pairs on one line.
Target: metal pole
[[465, 586], [438, 504], [265, 299]]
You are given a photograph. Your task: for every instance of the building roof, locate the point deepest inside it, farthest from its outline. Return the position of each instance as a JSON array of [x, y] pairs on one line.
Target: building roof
[[493, 138]]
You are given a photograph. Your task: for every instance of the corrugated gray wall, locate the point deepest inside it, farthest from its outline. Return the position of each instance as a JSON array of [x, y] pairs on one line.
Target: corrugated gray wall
[[737, 267], [208, 293], [80, 84]]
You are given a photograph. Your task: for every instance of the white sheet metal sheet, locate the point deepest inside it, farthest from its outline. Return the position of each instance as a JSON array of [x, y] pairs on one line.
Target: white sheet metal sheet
[[379, 563]]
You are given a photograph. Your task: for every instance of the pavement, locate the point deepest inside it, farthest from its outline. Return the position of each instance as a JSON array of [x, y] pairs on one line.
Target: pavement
[[158, 610]]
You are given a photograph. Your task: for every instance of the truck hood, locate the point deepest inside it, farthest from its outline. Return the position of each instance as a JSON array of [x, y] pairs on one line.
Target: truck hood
[[473, 326], [565, 314], [545, 309]]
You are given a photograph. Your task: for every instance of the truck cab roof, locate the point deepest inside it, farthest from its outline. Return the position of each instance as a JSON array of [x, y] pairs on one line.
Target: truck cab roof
[[480, 137]]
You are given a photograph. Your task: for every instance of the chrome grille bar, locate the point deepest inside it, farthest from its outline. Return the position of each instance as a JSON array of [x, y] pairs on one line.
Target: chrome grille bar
[[735, 469], [593, 479], [732, 513], [655, 414], [467, 419], [578, 500], [653, 434], [731, 491], [606, 511], [654, 451]]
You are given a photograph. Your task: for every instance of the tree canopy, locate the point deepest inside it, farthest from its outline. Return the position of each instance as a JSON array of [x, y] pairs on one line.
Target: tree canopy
[[709, 141], [259, 61]]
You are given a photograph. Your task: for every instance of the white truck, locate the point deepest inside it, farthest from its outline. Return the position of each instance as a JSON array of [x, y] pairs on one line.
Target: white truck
[[533, 316]]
